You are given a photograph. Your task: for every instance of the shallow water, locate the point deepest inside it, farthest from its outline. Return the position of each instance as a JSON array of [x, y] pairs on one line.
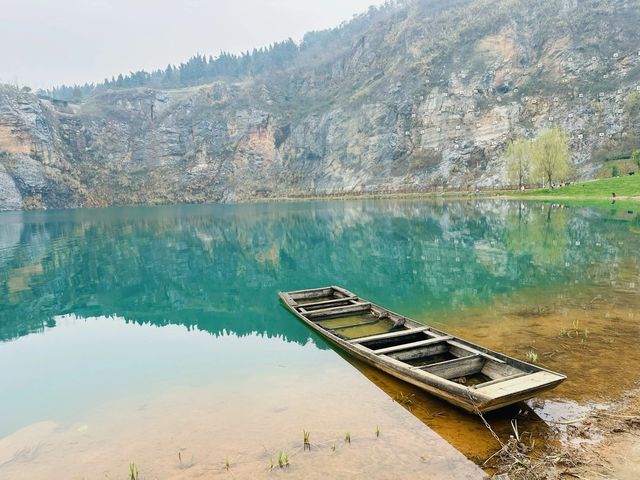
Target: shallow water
[[133, 334]]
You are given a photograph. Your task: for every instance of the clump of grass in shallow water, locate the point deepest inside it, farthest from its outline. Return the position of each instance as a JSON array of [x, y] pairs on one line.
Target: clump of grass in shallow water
[[532, 356], [347, 438], [133, 472], [283, 459], [404, 399], [377, 431], [306, 445], [227, 464], [575, 331]]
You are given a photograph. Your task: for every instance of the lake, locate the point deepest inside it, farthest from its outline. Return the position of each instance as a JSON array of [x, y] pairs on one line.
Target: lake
[[154, 335]]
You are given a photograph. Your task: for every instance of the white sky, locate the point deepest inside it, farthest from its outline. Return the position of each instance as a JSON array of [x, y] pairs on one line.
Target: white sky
[[49, 42]]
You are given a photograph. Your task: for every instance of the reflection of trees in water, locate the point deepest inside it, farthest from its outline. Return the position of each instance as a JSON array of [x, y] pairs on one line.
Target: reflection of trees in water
[[538, 231], [219, 267]]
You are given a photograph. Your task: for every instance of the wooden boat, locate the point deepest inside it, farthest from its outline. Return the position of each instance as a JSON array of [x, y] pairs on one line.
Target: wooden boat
[[460, 372]]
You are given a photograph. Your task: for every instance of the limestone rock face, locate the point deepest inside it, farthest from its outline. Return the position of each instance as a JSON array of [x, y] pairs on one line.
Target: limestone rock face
[[423, 95], [10, 198]]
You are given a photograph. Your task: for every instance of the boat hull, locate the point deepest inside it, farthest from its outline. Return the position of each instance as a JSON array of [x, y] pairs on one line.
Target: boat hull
[[514, 381]]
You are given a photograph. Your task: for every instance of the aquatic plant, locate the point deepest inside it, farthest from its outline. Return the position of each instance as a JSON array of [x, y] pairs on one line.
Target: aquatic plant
[[227, 463], [283, 459], [347, 438], [575, 331], [333, 447], [133, 472], [403, 399], [377, 431], [305, 441], [532, 356]]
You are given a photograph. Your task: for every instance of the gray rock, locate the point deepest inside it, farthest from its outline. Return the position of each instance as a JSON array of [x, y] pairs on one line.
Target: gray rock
[[10, 198], [409, 100]]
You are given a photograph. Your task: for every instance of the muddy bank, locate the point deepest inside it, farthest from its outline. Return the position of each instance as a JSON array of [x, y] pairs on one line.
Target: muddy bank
[[602, 444]]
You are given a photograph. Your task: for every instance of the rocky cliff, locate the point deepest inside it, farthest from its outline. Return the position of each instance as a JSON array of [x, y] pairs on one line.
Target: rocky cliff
[[421, 95]]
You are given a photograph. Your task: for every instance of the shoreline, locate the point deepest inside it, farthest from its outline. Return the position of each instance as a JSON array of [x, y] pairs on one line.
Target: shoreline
[[511, 195], [601, 444]]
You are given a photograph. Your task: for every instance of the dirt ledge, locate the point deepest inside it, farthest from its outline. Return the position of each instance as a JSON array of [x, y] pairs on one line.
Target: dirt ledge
[[605, 444]]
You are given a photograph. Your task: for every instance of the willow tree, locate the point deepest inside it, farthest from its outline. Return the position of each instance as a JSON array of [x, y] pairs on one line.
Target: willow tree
[[550, 156], [518, 156]]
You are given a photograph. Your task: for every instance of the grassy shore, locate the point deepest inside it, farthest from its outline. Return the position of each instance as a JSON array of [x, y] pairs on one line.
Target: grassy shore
[[627, 187], [596, 193]]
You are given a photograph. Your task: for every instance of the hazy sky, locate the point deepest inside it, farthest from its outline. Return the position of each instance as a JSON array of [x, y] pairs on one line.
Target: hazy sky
[[48, 42]]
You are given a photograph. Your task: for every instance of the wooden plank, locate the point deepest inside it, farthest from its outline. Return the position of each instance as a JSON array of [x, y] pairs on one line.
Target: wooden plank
[[342, 291], [357, 307], [499, 370], [408, 346], [475, 352], [421, 352], [499, 380], [311, 293], [355, 325], [521, 384], [325, 302], [457, 367], [384, 336]]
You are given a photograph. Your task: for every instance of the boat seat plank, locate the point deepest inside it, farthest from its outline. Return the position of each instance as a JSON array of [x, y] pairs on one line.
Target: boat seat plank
[[475, 352], [385, 336], [355, 307], [325, 302], [521, 384], [457, 367], [355, 325], [409, 346], [310, 293], [500, 380]]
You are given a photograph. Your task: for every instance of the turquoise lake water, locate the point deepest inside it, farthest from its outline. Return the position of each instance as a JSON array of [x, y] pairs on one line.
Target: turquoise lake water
[[96, 305]]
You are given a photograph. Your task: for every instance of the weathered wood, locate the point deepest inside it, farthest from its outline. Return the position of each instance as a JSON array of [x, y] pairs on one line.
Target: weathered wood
[[355, 325], [421, 352], [475, 351], [458, 367], [499, 370], [409, 346], [517, 385], [497, 393], [311, 293], [308, 305], [355, 308], [385, 336], [498, 380]]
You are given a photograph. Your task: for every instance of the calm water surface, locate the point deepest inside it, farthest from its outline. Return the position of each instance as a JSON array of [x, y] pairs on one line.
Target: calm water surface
[[144, 332]]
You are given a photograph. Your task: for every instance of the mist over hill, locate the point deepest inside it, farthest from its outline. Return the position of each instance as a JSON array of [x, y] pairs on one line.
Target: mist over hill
[[411, 96]]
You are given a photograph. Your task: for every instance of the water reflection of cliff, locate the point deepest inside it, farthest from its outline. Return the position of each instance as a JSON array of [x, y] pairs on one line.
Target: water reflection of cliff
[[219, 267]]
